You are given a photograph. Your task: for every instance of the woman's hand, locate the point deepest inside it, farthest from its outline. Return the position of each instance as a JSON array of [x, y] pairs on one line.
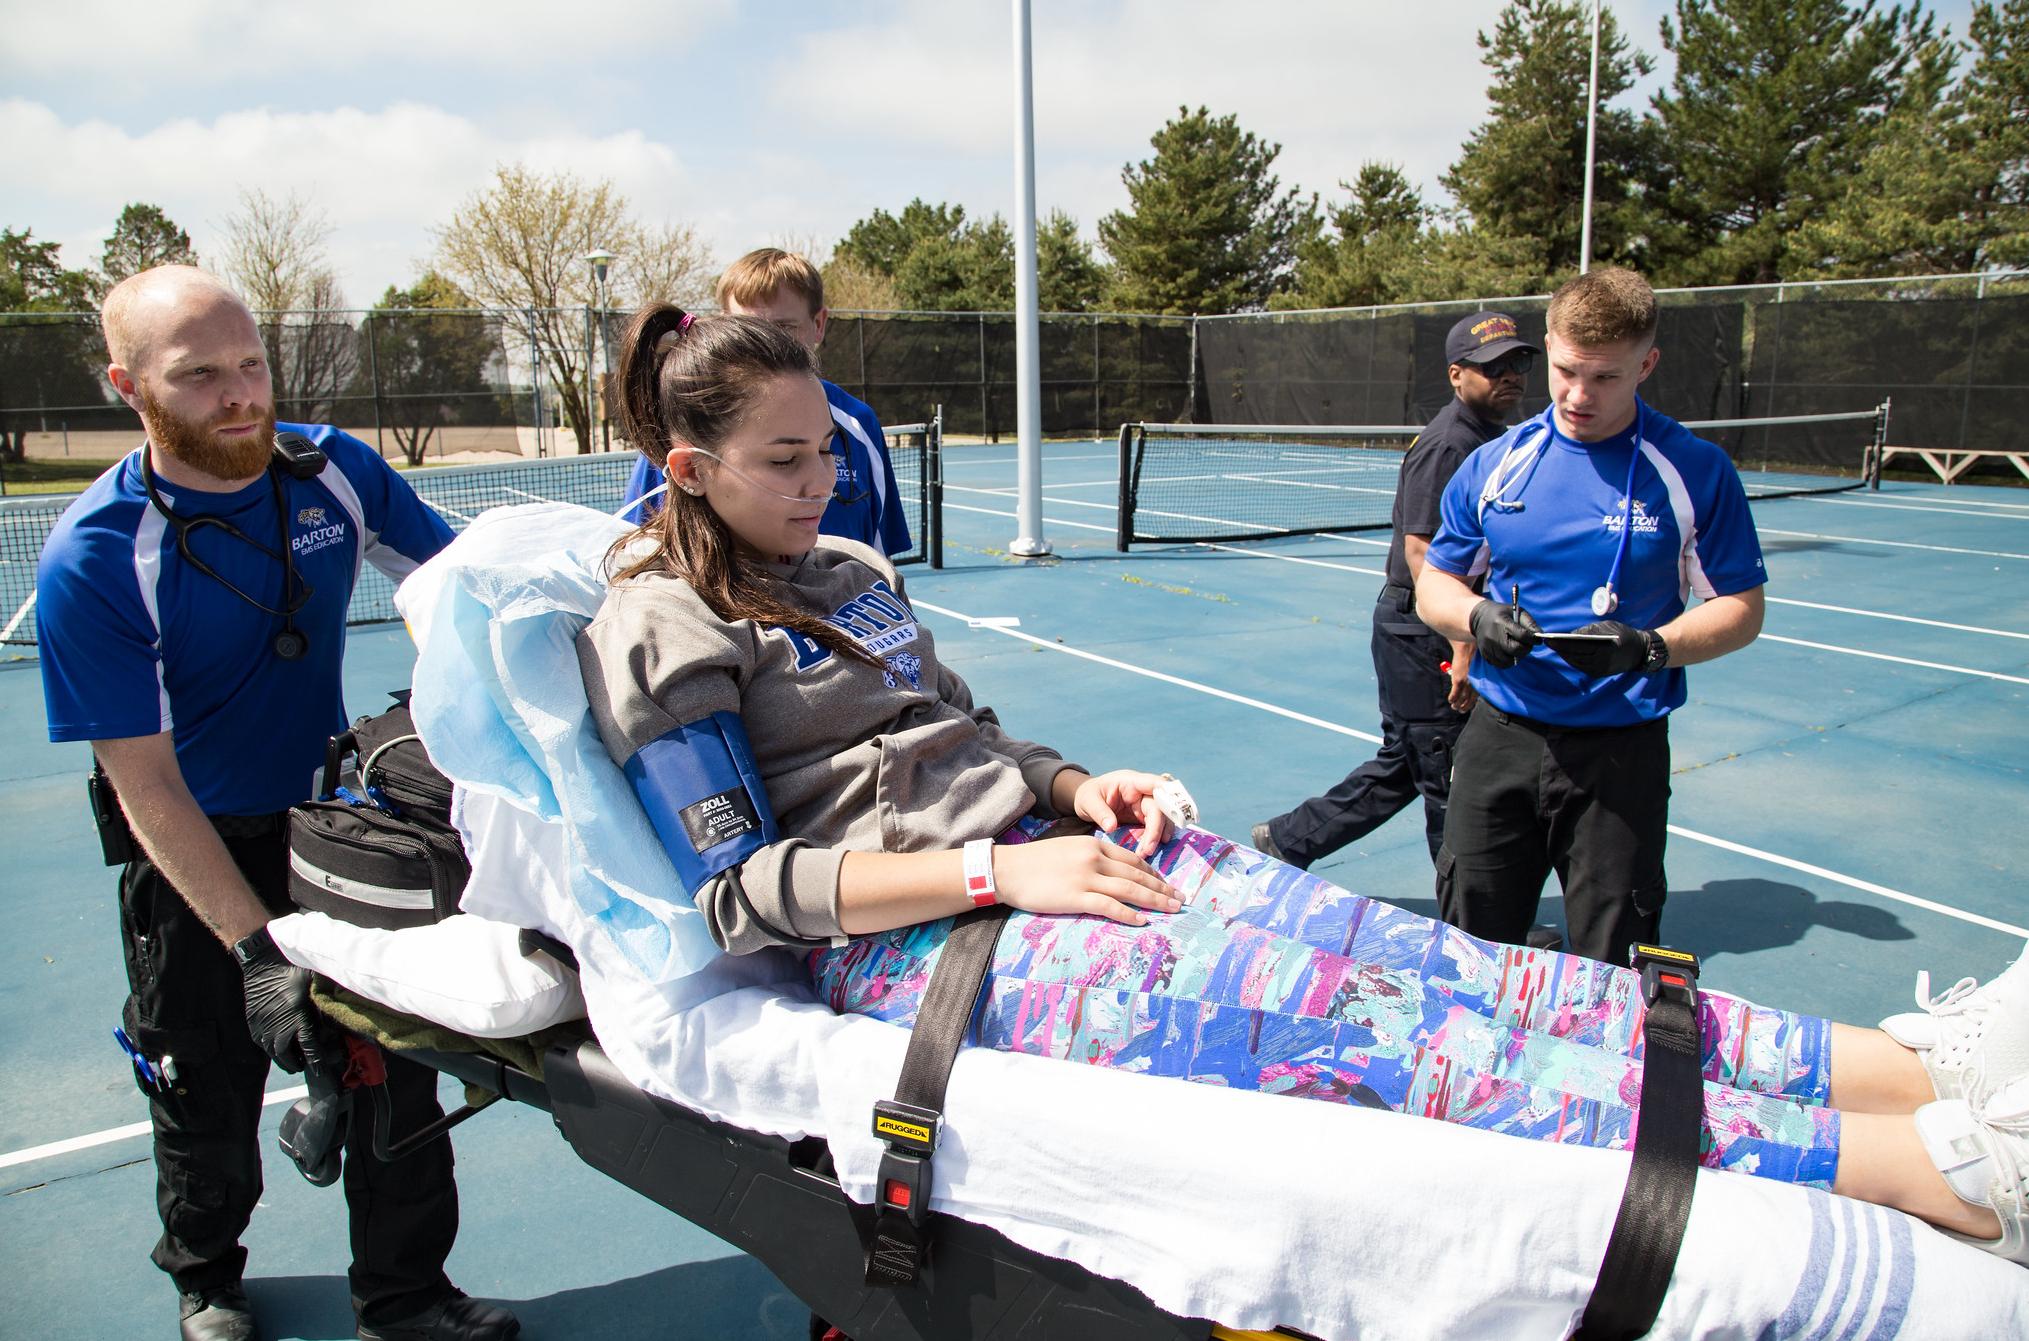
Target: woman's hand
[[1080, 875], [1123, 797]]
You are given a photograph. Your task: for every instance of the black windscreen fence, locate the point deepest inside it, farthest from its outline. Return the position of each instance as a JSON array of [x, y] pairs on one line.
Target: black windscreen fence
[[424, 385], [1952, 356], [1097, 372], [1956, 369], [1387, 365]]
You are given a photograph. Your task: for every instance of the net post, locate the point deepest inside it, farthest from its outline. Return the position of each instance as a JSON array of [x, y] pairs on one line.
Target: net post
[[1880, 446], [933, 484], [1123, 528]]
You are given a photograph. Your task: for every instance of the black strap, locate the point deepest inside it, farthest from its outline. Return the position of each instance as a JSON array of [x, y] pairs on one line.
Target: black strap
[[1648, 1231], [896, 1241]]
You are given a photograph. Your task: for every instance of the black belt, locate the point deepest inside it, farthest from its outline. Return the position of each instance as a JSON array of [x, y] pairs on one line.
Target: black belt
[[1655, 1207], [909, 1124], [1555, 729], [248, 826]]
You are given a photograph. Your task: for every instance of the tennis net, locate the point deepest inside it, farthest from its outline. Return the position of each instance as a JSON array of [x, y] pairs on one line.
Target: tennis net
[[1183, 483], [461, 493]]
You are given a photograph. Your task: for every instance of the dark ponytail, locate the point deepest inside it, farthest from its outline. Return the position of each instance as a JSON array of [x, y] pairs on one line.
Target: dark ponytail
[[688, 381]]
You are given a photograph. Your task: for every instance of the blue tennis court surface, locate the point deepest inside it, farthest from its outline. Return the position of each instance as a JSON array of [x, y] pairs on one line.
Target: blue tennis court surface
[[1849, 807]]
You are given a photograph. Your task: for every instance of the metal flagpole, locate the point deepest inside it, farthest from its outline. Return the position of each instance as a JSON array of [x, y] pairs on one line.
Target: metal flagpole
[[1028, 541], [1591, 140]]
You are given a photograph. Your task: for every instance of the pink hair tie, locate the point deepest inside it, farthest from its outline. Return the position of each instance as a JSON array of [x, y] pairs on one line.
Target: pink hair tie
[[684, 324]]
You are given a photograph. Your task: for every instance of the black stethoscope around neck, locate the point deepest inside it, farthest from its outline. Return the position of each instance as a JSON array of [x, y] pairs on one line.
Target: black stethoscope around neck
[[291, 643]]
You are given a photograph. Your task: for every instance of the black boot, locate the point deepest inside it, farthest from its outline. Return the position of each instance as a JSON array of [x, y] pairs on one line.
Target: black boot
[[455, 1317], [218, 1314]]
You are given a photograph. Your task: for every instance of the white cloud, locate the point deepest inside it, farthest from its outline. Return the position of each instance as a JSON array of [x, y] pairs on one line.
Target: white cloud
[[163, 48], [1334, 83], [384, 178]]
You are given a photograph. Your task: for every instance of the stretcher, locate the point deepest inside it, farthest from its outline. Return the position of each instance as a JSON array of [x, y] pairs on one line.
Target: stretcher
[[780, 1201], [1067, 1200], [1260, 1212]]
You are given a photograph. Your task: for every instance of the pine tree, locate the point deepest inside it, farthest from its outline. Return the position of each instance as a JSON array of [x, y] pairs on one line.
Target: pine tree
[[882, 242], [1522, 173], [1069, 278], [1911, 207], [1209, 228], [1773, 105], [1994, 101], [1375, 241], [143, 238]]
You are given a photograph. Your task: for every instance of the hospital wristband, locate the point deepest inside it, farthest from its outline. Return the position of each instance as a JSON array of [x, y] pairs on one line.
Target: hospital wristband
[[979, 886]]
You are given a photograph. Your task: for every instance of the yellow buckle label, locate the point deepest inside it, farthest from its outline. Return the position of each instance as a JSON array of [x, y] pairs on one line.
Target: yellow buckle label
[[906, 1131], [1663, 952]]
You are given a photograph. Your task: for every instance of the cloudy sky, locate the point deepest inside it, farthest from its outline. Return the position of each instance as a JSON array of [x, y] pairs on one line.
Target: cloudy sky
[[751, 120]]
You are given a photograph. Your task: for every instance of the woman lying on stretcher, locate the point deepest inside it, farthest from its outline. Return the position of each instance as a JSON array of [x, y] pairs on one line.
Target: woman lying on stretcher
[[809, 762]]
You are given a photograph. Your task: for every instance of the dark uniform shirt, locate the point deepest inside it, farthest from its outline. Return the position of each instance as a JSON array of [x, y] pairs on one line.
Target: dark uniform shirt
[[1452, 435]]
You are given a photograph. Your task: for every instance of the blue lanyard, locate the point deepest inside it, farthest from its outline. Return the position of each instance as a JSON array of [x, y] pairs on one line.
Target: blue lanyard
[[1612, 588]]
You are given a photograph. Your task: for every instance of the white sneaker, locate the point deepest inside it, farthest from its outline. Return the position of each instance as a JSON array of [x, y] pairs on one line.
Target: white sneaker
[[1983, 1153], [1972, 1039]]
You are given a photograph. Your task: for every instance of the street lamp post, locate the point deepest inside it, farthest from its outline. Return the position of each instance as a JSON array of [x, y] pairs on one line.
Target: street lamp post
[[600, 259]]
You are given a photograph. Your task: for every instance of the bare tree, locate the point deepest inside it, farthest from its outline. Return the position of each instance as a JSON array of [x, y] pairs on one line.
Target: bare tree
[[850, 287], [520, 244], [274, 255], [662, 265]]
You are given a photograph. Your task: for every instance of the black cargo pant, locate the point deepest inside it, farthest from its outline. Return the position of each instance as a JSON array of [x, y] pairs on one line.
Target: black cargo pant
[[1592, 805], [1418, 730], [185, 1001]]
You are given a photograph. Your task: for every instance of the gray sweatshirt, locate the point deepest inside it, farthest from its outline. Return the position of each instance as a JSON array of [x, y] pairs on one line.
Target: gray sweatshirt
[[853, 758]]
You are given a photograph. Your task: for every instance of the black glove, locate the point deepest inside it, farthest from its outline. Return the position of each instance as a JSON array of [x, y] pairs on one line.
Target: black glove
[[1631, 649], [280, 1014], [1502, 634]]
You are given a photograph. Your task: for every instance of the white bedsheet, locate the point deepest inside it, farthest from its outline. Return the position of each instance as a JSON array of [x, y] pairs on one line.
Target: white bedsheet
[[1250, 1209]]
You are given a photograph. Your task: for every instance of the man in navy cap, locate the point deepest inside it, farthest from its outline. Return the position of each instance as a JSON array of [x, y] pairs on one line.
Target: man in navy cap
[[1422, 677]]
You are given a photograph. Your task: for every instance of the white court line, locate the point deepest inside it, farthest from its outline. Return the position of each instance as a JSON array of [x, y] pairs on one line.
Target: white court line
[[1765, 637], [1196, 544], [1959, 511], [1851, 882], [1902, 661], [1052, 521], [1291, 558], [1957, 501], [1894, 544], [1133, 669], [19, 615], [1742, 849], [1904, 619], [963, 457], [111, 1134]]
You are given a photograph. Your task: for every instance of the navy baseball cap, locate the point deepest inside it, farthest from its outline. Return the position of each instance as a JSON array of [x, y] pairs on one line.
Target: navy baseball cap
[[1484, 337]]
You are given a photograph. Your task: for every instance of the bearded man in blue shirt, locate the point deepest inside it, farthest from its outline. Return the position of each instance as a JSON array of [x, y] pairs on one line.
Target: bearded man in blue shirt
[[1599, 518], [191, 609]]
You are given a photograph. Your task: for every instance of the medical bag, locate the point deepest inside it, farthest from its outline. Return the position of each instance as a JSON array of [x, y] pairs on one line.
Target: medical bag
[[378, 848]]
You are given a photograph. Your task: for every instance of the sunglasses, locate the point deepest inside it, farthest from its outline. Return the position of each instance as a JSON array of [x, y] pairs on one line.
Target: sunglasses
[[1519, 363]]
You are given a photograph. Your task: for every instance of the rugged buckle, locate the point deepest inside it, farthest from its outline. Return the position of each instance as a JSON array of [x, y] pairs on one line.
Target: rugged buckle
[[1666, 974], [907, 1127], [901, 1192]]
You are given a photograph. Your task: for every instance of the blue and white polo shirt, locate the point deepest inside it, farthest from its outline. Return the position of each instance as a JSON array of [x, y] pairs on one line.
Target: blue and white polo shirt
[[1540, 515], [136, 641]]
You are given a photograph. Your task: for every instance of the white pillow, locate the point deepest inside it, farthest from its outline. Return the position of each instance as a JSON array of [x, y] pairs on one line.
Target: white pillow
[[466, 973]]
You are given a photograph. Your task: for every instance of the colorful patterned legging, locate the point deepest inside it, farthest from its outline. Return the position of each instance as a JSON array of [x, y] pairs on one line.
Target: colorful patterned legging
[[1273, 979]]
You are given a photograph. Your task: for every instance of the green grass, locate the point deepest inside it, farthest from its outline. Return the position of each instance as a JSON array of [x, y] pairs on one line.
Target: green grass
[[47, 475]]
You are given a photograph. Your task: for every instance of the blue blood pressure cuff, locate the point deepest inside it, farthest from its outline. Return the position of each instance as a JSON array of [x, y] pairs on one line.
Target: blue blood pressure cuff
[[704, 796]]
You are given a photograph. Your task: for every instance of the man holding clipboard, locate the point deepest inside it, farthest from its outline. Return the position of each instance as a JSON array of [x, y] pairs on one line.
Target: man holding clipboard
[[1593, 525]]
